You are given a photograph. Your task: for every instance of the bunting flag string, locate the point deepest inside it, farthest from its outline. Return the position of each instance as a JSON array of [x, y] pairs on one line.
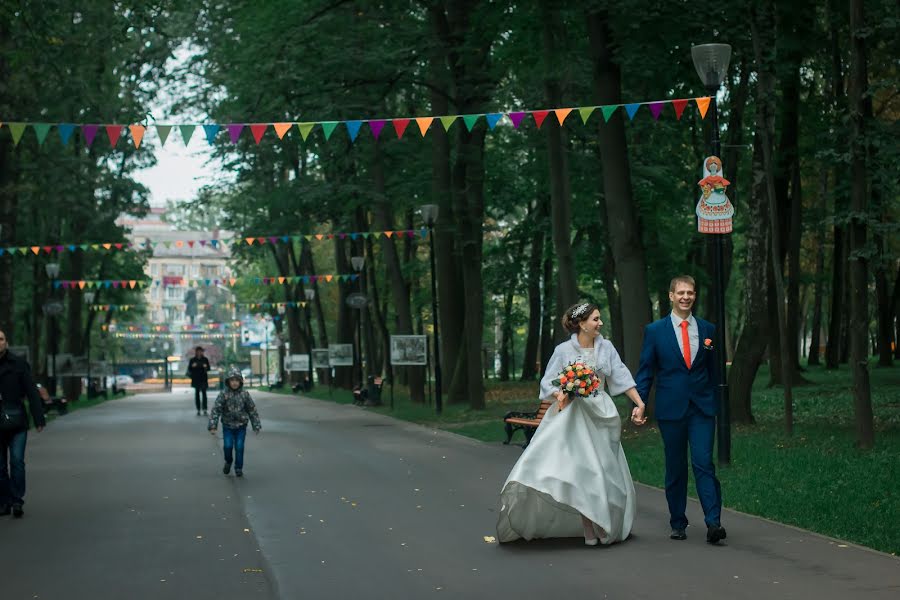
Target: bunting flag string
[[353, 127], [192, 334], [203, 306], [71, 284], [203, 327], [214, 243]]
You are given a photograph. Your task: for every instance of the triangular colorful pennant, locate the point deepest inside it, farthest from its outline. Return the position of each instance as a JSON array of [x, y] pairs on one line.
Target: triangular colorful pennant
[[376, 127], [448, 121], [679, 106], [492, 119], [586, 112], [516, 118], [65, 132], [608, 111], [41, 130], [353, 129], [655, 109], [186, 132], [137, 134], [470, 121], [281, 129], [90, 132], [17, 129], [211, 131], [328, 127], [234, 132], [539, 116], [424, 123], [561, 114], [703, 105], [400, 127], [631, 109], [163, 132], [305, 129], [258, 130], [114, 132]]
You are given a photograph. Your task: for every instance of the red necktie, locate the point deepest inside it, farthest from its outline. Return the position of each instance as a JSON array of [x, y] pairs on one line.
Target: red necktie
[[685, 344]]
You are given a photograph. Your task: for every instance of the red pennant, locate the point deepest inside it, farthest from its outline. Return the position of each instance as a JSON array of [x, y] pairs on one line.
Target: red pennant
[[191, 243], [113, 131], [539, 116], [118, 246], [400, 127], [258, 130], [679, 107]]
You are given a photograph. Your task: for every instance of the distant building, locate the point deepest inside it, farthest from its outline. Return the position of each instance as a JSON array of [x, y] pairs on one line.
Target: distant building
[[170, 298]]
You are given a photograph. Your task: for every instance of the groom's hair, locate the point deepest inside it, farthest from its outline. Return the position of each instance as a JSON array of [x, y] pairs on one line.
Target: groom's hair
[[682, 279]]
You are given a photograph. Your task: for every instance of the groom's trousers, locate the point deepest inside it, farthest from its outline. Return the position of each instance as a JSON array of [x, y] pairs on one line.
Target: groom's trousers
[[697, 430]]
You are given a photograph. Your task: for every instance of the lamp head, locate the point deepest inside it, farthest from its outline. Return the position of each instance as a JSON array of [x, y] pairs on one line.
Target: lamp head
[[711, 62], [358, 262], [430, 214], [310, 294], [52, 270]]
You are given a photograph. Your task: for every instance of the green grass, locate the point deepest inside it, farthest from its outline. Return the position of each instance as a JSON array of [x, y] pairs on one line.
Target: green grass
[[815, 479]]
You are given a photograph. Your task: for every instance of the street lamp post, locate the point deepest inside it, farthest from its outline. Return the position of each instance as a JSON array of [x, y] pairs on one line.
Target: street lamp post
[[52, 309], [359, 262], [89, 299], [430, 215], [711, 62]]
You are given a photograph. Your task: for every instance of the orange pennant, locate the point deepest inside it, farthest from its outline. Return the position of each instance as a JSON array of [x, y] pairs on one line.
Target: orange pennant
[[132, 283], [137, 134], [319, 236], [232, 281], [81, 284], [282, 128], [561, 114], [424, 123], [249, 241], [36, 249], [703, 105], [389, 233], [281, 280], [328, 278], [179, 244]]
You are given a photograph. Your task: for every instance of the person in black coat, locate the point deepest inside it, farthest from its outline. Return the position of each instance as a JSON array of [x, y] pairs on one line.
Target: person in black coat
[[15, 384], [198, 369]]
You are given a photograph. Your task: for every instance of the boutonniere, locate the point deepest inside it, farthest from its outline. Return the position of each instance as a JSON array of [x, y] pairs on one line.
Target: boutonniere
[[707, 343]]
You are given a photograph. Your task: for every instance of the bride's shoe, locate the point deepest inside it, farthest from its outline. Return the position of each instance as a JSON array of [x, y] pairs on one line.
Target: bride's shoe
[[592, 542]]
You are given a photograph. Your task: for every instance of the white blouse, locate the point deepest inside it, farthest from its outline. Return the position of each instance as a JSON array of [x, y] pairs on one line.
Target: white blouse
[[602, 356]]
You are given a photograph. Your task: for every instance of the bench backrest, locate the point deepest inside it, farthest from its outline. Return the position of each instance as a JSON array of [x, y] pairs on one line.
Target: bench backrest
[[545, 406]]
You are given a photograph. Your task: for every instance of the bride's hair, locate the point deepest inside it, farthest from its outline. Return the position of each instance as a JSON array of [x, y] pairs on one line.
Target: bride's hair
[[577, 313]]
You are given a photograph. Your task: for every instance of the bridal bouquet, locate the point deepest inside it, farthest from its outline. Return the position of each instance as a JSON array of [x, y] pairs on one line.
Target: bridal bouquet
[[577, 379]]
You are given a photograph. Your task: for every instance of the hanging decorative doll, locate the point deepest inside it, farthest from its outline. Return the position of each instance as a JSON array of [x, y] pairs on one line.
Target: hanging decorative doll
[[714, 210]]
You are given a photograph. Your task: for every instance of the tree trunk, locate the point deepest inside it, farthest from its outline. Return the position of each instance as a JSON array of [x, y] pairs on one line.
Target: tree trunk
[[506, 333], [895, 302], [532, 339], [8, 198], [548, 320], [860, 109], [625, 237], [560, 187], [818, 294], [756, 332], [837, 312], [400, 287], [761, 22]]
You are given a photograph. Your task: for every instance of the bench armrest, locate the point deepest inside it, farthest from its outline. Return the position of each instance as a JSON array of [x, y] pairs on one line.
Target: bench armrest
[[521, 415]]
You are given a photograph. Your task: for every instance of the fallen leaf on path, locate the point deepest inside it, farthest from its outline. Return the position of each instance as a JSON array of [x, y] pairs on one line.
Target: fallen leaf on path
[[489, 539]]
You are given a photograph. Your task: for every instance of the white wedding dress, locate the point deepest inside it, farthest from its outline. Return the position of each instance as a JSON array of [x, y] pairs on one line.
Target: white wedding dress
[[574, 464]]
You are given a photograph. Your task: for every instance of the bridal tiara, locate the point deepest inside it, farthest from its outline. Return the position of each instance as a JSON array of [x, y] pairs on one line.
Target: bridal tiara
[[578, 310]]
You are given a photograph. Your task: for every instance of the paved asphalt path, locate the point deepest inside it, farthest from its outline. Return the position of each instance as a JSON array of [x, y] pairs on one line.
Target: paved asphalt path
[[127, 501]]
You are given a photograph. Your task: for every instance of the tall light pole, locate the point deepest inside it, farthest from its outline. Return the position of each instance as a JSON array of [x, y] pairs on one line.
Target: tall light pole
[[89, 299], [358, 262], [52, 309], [430, 216], [711, 62]]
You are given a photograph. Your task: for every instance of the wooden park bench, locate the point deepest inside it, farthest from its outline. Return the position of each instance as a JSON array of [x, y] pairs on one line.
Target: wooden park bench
[[526, 421]]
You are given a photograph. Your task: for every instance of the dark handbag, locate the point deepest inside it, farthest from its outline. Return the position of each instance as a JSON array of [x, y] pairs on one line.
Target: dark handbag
[[12, 419]]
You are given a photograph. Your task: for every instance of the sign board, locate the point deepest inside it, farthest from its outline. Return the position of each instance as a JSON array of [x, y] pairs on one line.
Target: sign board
[[256, 363], [320, 358], [340, 355], [409, 350], [76, 366], [297, 362]]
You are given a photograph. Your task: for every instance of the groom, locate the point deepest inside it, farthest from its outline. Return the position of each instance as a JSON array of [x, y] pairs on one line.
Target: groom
[[679, 354]]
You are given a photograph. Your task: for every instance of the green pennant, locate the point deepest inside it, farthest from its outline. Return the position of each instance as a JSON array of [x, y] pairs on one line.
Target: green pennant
[[83, 246], [17, 129], [309, 237], [186, 132], [470, 120], [41, 130], [163, 132], [327, 128], [448, 121], [305, 128], [366, 235], [608, 111], [23, 250], [296, 238], [585, 112]]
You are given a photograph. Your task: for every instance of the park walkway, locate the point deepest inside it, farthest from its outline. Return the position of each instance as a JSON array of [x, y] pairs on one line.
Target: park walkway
[[127, 501]]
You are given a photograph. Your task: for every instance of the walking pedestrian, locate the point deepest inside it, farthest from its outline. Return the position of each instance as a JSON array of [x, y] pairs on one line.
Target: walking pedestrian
[[236, 409], [198, 370]]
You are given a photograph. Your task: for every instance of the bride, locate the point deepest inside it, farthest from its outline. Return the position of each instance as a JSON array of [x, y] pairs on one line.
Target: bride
[[573, 478]]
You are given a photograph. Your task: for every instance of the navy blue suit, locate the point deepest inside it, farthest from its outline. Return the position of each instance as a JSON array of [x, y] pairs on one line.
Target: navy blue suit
[[686, 407]]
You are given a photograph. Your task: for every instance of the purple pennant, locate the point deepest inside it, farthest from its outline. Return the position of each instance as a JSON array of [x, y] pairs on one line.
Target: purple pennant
[[516, 118], [376, 127], [273, 239], [655, 109], [234, 131], [59, 248], [343, 236], [90, 132]]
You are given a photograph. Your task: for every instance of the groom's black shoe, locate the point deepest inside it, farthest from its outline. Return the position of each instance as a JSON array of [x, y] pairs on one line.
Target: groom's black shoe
[[715, 534], [678, 534]]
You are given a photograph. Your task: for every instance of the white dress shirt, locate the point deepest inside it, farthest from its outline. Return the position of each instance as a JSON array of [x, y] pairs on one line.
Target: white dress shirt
[[693, 334]]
